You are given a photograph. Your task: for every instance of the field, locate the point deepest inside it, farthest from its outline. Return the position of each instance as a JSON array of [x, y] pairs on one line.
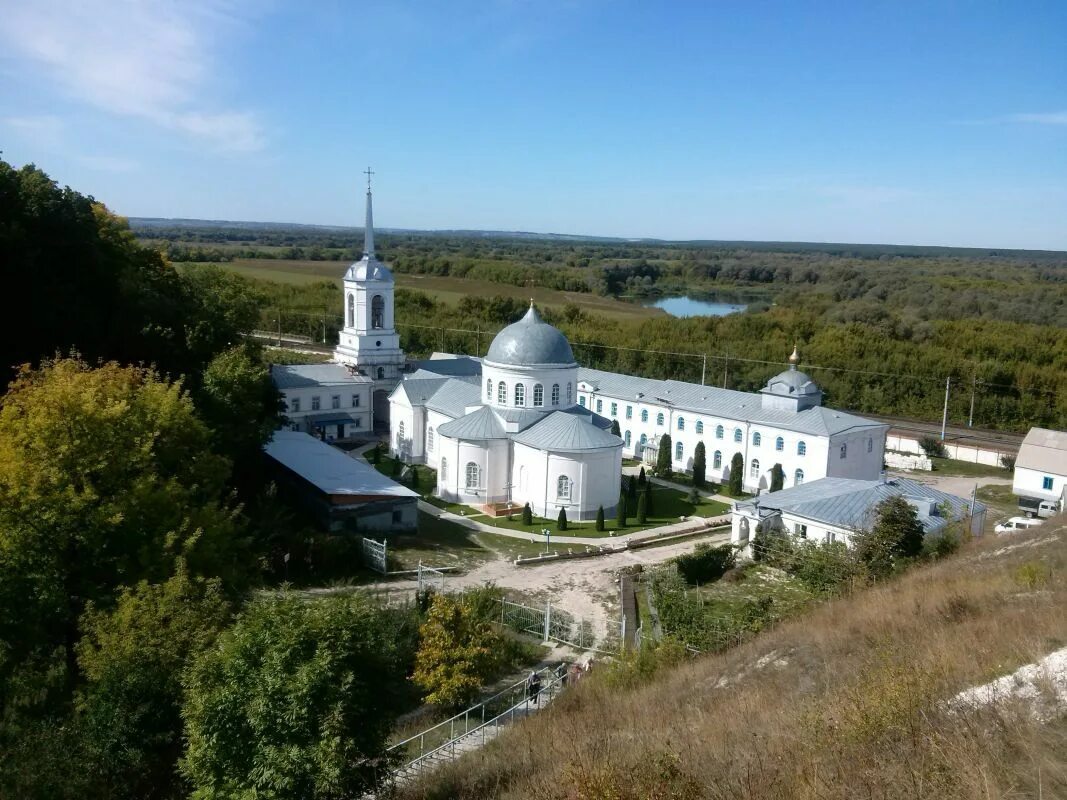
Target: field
[[446, 289]]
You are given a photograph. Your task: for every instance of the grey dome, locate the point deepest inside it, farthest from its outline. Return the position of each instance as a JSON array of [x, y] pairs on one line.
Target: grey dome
[[368, 269], [530, 342], [792, 383]]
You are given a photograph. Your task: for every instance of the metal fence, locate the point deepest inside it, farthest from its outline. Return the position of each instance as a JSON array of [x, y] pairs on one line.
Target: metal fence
[[374, 555], [429, 579], [554, 624]]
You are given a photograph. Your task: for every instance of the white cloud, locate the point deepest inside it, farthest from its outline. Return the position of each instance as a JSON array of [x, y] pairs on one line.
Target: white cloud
[[1052, 118], [142, 58]]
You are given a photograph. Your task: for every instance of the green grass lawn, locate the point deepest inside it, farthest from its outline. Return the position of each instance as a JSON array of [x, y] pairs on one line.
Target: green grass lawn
[[948, 466]]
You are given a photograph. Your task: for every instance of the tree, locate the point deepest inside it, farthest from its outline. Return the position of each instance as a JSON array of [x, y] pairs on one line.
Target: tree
[[1008, 462], [615, 428], [641, 478], [527, 514], [897, 534], [737, 475], [376, 454], [297, 699], [777, 478], [106, 476], [459, 651], [663, 457], [620, 511], [132, 657], [561, 520], [642, 509], [599, 525], [933, 447], [700, 465], [647, 494], [631, 489]]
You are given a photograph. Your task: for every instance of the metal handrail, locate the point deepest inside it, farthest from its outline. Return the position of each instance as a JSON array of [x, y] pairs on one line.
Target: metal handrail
[[451, 743], [465, 715]]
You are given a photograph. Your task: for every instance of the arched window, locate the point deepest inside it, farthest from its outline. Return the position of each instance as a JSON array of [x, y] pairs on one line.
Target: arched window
[[779, 444], [563, 488], [659, 418], [870, 445], [581, 402], [716, 461], [802, 448], [599, 405], [678, 451], [644, 438], [644, 415], [681, 423], [399, 434], [501, 393], [443, 471], [381, 373], [474, 476], [429, 440], [377, 312], [488, 389], [351, 310], [626, 438], [798, 477], [520, 394], [568, 392], [555, 394], [753, 471], [700, 426], [738, 436], [756, 439], [539, 394], [718, 431]]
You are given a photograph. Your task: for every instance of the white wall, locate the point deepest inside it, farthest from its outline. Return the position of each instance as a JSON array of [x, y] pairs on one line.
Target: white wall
[[529, 378], [1029, 482], [595, 481], [360, 407], [864, 455], [960, 452]]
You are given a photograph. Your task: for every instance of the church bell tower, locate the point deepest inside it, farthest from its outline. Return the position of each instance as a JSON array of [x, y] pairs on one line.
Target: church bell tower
[[368, 341]]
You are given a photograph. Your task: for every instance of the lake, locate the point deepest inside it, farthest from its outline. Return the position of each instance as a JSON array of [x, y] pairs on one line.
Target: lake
[[692, 307]]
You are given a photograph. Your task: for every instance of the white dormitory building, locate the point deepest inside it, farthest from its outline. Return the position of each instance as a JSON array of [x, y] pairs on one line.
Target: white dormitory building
[[527, 424], [1040, 480], [837, 509]]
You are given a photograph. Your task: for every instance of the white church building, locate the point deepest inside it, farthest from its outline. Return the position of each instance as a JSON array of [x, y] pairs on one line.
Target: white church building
[[527, 424]]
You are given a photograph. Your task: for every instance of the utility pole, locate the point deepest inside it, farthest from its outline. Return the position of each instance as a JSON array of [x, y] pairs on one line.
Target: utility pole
[[944, 414], [279, 327], [726, 371], [703, 367], [974, 386]]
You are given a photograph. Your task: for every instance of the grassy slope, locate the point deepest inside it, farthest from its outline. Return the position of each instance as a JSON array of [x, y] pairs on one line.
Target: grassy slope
[[845, 701]]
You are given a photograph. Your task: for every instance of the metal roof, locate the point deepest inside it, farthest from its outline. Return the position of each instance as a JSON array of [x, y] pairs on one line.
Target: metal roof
[[479, 425], [301, 376], [450, 365], [454, 396], [562, 432], [723, 403], [329, 469], [1044, 450], [332, 418], [530, 342], [850, 503]]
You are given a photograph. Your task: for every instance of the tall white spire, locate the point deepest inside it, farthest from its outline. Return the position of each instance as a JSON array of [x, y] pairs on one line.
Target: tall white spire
[[368, 228]]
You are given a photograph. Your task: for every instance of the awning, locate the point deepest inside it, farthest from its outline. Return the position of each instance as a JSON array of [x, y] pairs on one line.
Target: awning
[[336, 418]]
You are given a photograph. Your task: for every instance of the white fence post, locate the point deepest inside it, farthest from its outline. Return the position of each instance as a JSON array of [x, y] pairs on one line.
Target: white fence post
[[548, 620]]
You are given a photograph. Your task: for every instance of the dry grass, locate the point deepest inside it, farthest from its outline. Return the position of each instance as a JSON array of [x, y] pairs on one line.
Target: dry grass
[[847, 701]]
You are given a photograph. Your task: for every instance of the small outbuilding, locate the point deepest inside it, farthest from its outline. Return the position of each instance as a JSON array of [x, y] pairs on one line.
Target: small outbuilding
[[1041, 472], [836, 509], [337, 488]]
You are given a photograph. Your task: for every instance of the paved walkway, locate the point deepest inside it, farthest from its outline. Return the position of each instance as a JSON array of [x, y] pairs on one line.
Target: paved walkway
[[636, 470]]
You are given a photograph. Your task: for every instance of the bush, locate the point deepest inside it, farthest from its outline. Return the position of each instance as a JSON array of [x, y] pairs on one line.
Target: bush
[[600, 518], [527, 515], [1008, 462], [699, 466], [822, 567], [642, 509], [777, 478], [933, 447], [561, 520], [737, 475], [641, 479], [706, 563], [620, 512], [663, 458], [939, 545]]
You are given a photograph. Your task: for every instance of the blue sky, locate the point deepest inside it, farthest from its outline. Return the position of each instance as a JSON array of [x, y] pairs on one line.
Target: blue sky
[[915, 123]]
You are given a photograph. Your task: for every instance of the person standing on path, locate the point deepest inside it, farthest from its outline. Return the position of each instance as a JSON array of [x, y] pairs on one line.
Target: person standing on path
[[533, 687]]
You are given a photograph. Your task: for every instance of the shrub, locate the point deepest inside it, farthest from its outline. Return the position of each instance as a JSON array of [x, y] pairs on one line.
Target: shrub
[[777, 478], [933, 447], [737, 474], [941, 544], [822, 567], [620, 512], [642, 509], [706, 563], [648, 498], [641, 479], [693, 496], [561, 520], [527, 515], [700, 466], [1008, 462], [599, 518], [376, 455], [615, 428], [663, 458]]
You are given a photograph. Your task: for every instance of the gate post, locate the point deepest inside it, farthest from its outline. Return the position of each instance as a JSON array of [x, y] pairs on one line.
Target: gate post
[[548, 619]]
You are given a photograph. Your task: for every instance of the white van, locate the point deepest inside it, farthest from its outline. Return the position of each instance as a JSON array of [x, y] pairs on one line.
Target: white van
[[1016, 524]]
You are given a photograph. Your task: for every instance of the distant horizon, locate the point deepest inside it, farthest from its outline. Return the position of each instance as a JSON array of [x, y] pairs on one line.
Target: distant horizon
[[938, 123], [392, 229]]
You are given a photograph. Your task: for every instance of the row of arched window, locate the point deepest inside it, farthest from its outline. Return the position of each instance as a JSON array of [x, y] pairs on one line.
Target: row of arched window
[[472, 476], [377, 311], [519, 393]]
